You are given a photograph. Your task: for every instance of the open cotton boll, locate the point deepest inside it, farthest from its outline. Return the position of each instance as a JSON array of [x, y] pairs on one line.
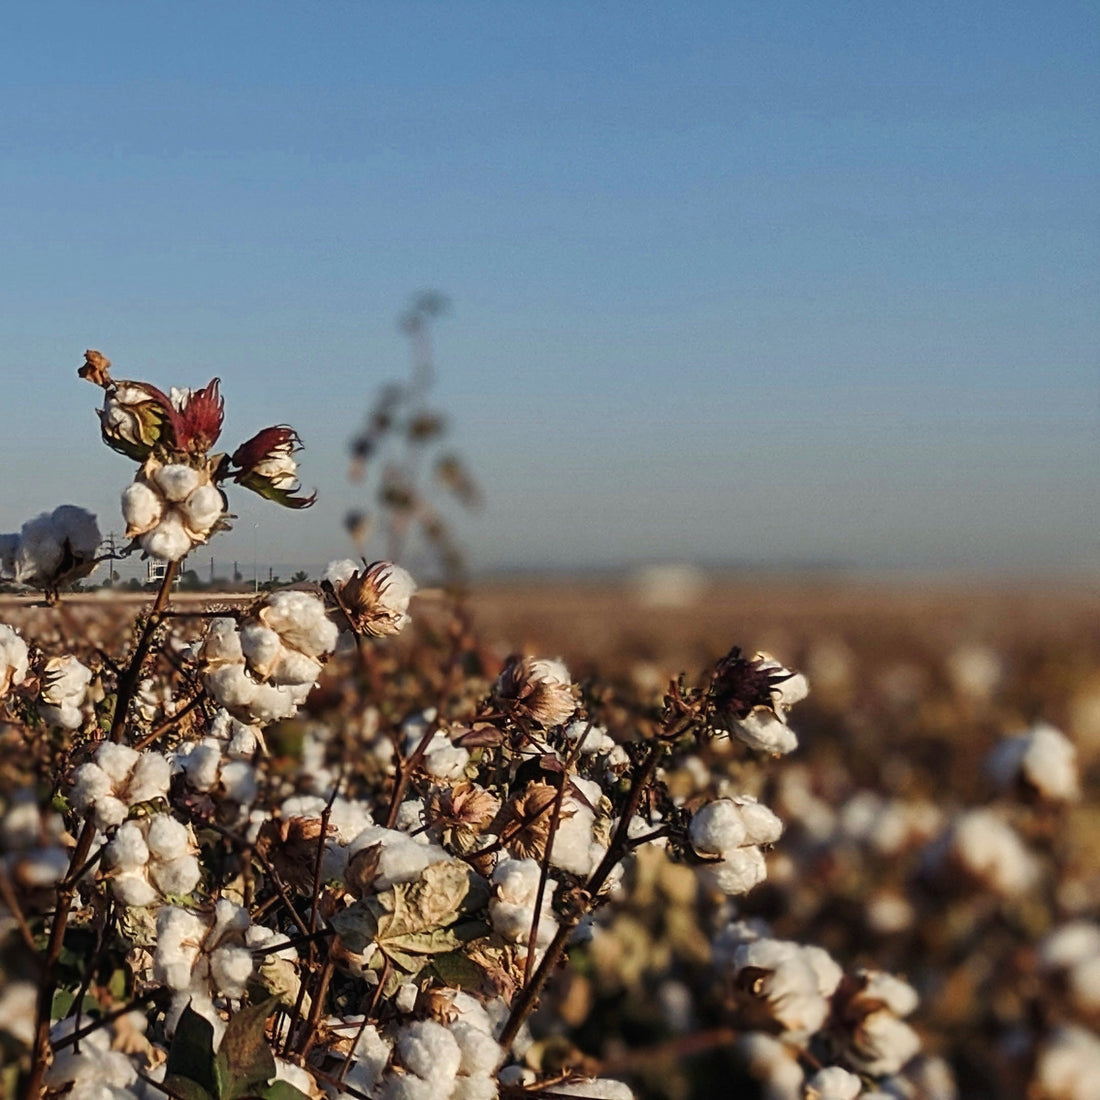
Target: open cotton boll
[[430, 1051], [717, 827], [142, 508], [300, 620], [761, 825], [261, 647], [200, 763], [150, 778], [127, 850], [764, 732], [168, 541], [230, 970], [295, 668], [238, 777], [180, 934], [337, 572], [168, 838], [737, 872], [116, 760], [177, 877], [13, 659], [833, 1083], [272, 702], [231, 686], [132, 888], [176, 482], [222, 643], [596, 1088], [481, 1054], [202, 509]]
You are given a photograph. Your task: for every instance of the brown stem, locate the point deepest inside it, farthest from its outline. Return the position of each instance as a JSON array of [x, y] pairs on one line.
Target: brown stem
[[544, 874], [528, 996], [169, 723]]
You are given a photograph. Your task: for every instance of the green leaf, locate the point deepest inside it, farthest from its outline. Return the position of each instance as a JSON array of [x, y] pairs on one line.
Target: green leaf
[[245, 1063], [191, 1055], [457, 970], [282, 1090], [185, 1088]]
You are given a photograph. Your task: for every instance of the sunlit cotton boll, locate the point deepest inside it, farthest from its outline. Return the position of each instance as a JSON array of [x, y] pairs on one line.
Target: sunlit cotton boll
[[168, 541], [176, 482], [833, 1083], [64, 683], [57, 545], [202, 509], [13, 659], [301, 622], [1068, 1066], [1043, 758], [992, 853]]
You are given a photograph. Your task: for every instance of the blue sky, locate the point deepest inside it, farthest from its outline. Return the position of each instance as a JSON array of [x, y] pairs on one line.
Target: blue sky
[[741, 282]]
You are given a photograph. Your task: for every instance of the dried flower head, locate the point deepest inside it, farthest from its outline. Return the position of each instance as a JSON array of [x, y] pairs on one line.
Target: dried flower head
[[537, 688], [290, 846], [524, 822], [375, 599]]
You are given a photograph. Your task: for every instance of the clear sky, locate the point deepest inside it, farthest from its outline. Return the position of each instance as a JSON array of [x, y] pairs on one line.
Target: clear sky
[[732, 281]]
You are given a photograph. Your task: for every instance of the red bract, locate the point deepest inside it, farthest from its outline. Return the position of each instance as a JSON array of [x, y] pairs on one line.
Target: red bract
[[198, 424], [266, 444]]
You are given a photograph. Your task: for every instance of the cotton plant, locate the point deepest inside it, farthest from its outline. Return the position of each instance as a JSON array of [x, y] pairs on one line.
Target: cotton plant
[[117, 779], [51, 551], [176, 501]]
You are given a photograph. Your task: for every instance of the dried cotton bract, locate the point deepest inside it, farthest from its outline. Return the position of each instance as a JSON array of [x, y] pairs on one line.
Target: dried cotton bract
[[751, 699], [374, 598], [539, 689]]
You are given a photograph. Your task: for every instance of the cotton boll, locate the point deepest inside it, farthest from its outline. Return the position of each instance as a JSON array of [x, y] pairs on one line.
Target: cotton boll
[[295, 668], [180, 933], [833, 1083], [134, 889], [262, 648], [761, 825], [475, 1088], [572, 849], [717, 827], [168, 838], [176, 482], [230, 970], [409, 1087], [238, 778], [168, 541], [736, 873], [231, 686], [222, 644], [882, 1044], [201, 764], [271, 702], [117, 761], [337, 572], [13, 659], [177, 877], [127, 850], [90, 783], [480, 1052], [430, 1051], [596, 1088], [202, 509], [142, 508], [300, 620], [764, 732], [40, 551], [150, 778]]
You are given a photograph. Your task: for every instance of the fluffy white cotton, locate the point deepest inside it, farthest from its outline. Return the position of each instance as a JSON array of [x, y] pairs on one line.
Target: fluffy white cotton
[[1068, 1065], [512, 907], [597, 1088], [430, 1051], [301, 622], [168, 541], [176, 482], [337, 572], [261, 647], [990, 850], [202, 509], [230, 970], [13, 659], [1043, 758], [127, 850], [717, 827], [833, 1083], [142, 508], [796, 981], [168, 838]]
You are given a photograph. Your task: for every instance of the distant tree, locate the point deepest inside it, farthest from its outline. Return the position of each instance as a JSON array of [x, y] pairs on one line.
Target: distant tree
[[190, 581], [300, 577]]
